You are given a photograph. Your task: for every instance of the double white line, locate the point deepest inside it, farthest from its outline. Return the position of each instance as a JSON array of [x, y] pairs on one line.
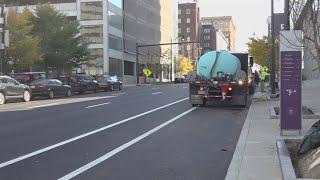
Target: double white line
[[21, 158]]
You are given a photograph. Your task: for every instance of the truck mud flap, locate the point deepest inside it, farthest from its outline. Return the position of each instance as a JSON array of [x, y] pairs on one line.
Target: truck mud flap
[[196, 100], [239, 100]]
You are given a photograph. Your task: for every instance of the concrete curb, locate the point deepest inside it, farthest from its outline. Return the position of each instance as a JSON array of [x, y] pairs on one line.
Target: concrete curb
[[236, 162], [285, 161], [273, 113]]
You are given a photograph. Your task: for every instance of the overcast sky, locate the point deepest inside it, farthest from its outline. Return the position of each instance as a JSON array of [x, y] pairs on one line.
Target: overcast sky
[[249, 15]]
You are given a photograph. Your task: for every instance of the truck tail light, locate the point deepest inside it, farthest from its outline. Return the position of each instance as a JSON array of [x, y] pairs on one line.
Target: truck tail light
[[230, 88], [201, 88], [240, 82]]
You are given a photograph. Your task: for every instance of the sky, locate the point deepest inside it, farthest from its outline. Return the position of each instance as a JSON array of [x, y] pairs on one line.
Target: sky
[[250, 16]]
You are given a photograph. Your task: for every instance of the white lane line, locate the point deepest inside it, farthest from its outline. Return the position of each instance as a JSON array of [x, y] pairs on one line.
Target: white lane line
[[118, 94], [7, 163], [184, 87], [97, 105], [155, 88], [156, 93], [123, 147], [44, 105]]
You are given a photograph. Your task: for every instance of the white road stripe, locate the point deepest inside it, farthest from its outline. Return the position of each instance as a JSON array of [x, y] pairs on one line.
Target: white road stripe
[[155, 88], [156, 93], [184, 87], [44, 105], [97, 105], [122, 147], [7, 163]]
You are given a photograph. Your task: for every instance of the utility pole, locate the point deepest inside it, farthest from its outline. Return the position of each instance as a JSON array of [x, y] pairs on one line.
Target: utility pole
[[287, 14], [272, 64]]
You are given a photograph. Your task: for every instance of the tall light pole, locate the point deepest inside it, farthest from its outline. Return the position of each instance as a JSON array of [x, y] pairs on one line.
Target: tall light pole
[[3, 37], [272, 64]]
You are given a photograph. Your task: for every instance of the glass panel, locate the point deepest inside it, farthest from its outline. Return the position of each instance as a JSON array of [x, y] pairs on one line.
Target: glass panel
[[92, 34], [115, 20], [128, 68], [117, 3], [96, 63], [115, 43], [91, 10], [115, 67]]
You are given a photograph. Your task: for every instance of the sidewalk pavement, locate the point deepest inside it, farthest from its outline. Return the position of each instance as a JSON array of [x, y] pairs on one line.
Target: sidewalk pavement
[[255, 156]]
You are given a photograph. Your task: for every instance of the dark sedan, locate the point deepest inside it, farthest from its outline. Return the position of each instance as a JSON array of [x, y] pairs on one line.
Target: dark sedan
[[109, 83], [10, 88], [50, 88]]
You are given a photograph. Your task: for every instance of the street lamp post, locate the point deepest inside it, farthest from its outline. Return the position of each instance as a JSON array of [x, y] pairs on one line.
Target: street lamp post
[[272, 64]]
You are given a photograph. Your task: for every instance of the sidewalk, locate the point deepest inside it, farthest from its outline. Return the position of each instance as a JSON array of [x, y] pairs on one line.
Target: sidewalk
[[256, 155]]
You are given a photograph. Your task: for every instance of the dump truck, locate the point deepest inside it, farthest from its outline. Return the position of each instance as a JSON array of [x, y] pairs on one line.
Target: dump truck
[[221, 79]]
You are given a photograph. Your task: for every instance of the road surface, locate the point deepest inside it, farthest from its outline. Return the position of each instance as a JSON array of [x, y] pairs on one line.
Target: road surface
[[140, 133]]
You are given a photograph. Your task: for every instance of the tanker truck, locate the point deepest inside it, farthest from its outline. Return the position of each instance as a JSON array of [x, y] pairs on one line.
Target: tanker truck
[[221, 79]]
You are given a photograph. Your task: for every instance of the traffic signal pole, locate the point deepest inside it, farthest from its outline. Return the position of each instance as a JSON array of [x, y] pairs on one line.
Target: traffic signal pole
[[152, 45]]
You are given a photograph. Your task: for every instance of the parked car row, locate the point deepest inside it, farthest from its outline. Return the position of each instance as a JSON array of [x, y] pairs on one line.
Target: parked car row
[[30, 85]]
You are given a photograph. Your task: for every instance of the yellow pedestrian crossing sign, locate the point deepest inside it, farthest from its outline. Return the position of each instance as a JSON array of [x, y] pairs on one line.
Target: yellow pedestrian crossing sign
[[147, 72]]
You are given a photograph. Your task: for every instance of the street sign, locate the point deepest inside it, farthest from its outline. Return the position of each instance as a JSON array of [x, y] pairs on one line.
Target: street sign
[[291, 77], [147, 72]]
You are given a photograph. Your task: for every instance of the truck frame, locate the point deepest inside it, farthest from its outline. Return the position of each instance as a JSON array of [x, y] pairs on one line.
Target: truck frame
[[223, 89]]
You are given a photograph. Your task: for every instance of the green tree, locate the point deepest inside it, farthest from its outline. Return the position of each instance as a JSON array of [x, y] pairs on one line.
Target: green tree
[[185, 66], [260, 49], [60, 41], [24, 49]]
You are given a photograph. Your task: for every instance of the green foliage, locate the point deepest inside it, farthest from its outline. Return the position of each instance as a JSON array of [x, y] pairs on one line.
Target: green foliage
[[260, 50], [24, 48], [59, 39]]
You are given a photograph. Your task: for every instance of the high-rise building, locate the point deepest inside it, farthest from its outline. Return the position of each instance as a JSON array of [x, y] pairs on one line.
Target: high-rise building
[[189, 29], [212, 39], [113, 27], [227, 27], [279, 22]]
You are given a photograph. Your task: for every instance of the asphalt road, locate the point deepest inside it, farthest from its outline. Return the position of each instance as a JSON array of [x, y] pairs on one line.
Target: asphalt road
[[140, 133]]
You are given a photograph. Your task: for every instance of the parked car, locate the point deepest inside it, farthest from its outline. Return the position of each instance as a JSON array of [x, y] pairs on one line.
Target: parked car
[[10, 88], [180, 79], [109, 82], [28, 77], [80, 83], [50, 88]]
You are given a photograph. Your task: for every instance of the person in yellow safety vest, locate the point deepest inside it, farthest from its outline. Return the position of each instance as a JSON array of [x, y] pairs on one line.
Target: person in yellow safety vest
[[264, 74]]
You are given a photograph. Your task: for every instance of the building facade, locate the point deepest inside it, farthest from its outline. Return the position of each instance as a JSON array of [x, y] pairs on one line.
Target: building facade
[[113, 27], [189, 30], [279, 22], [227, 26], [212, 39]]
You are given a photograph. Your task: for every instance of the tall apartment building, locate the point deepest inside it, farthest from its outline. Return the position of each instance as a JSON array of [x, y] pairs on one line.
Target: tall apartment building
[[212, 39], [189, 29], [112, 28], [227, 27]]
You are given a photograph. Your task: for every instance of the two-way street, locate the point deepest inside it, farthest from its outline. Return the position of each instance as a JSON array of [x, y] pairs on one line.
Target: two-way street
[[139, 133]]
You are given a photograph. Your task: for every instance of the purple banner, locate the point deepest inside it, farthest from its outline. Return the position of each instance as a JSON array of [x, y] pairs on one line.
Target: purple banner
[[291, 65]]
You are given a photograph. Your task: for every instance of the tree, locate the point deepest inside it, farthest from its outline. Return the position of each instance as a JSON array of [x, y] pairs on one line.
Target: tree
[[305, 16], [186, 66], [60, 41], [260, 48], [24, 49]]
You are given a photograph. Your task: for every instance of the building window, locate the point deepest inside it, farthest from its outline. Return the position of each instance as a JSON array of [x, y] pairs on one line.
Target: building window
[[91, 10], [179, 30], [115, 67], [206, 30], [115, 42], [179, 20], [206, 44], [95, 64], [188, 39], [117, 3], [188, 47], [92, 34], [188, 20], [188, 30], [179, 11], [128, 68], [207, 37], [115, 20], [188, 11]]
